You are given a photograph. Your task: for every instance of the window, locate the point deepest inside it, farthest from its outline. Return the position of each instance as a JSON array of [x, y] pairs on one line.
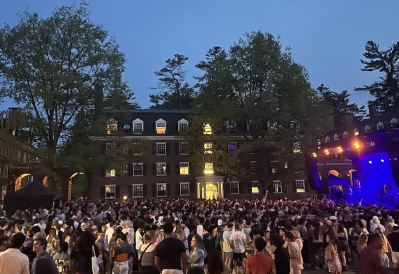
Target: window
[[345, 134], [110, 148], [160, 126], [161, 190], [277, 187], [137, 149], [230, 125], [5, 172], [254, 187], [138, 126], [183, 149], [336, 137], [184, 189], [161, 148], [182, 124], [184, 168], [125, 169], [208, 170], [110, 192], [356, 132], [327, 140], [296, 147], [112, 126], [394, 121], [253, 165], [137, 191], [234, 188], [252, 148], [110, 173], [137, 169], [161, 169], [208, 148], [207, 129], [232, 148], [125, 149], [380, 126], [367, 128], [300, 185]]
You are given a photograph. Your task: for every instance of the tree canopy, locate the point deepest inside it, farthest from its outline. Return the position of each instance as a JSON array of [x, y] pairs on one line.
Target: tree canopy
[[386, 89]]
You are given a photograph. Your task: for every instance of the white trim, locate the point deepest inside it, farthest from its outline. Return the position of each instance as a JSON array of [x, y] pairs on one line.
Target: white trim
[[327, 139], [336, 137], [114, 192], [356, 132], [142, 191], [142, 169], [181, 122], [166, 189], [156, 168], [393, 121], [160, 121], [126, 169], [300, 183], [367, 128], [188, 167], [180, 143], [277, 184], [345, 134], [137, 122], [380, 125], [236, 186], [156, 148], [188, 188], [253, 185]]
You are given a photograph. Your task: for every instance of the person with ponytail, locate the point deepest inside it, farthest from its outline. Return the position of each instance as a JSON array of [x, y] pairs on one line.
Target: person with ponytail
[[147, 253]]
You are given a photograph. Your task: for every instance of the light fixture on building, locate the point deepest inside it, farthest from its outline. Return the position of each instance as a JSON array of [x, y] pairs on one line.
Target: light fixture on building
[[125, 198]]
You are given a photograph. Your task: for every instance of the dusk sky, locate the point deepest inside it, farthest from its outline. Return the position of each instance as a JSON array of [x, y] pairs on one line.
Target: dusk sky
[[327, 37]]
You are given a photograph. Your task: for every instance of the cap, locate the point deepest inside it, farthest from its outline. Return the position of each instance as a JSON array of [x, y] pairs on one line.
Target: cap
[[60, 222], [333, 218], [220, 222]]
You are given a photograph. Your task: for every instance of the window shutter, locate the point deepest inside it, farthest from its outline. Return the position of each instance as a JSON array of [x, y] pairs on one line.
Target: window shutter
[[130, 191], [130, 169], [227, 188], [167, 169], [177, 148], [177, 186], [144, 191], [177, 166], [249, 187], [103, 172], [293, 187], [154, 190], [241, 187], [284, 187], [271, 188], [117, 172], [118, 192], [193, 189], [144, 169], [154, 169], [307, 186], [190, 169], [102, 194], [168, 189], [154, 149], [167, 148]]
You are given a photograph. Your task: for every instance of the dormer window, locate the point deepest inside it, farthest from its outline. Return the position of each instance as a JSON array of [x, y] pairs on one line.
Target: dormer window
[[394, 121], [182, 124], [138, 126], [345, 135], [207, 129], [356, 132], [112, 126], [327, 140], [336, 137], [367, 128], [160, 126], [380, 126]]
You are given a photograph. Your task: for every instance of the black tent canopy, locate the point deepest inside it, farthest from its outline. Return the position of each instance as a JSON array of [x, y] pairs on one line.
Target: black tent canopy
[[34, 195]]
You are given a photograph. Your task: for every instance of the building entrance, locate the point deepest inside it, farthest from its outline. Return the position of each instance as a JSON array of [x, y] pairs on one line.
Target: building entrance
[[211, 191]]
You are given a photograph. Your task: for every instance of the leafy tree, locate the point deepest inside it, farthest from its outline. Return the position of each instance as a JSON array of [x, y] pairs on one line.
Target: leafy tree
[[174, 92], [339, 103], [256, 95], [60, 69], [386, 90]]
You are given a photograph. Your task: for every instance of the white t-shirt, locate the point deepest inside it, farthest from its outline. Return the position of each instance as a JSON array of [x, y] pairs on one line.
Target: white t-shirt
[[238, 238]]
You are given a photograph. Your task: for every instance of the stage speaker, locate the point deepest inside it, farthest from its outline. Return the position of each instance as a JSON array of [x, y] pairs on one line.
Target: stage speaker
[[393, 154], [312, 172]]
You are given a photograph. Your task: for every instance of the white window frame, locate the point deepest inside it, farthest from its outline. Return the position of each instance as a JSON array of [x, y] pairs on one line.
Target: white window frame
[[184, 186], [184, 165], [300, 185], [182, 124], [356, 132], [112, 122], [109, 147], [138, 122], [236, 186], [158, 124], [111, 187], [253, 185], [136, 189], [110, 173], [336, 137], [367, 128], [137, 165], [159, 185], [208, 171], [126, 169], [345, 135], [393, 121], [208, 147], [277, 185], [158, 164], [230, 125], [327, 139], [181, 145], [137, 146], [253, 165], [207, 129], [380, 126], [158, 149]]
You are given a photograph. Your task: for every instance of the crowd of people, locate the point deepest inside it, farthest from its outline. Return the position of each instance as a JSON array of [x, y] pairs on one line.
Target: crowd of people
[[200, 236]]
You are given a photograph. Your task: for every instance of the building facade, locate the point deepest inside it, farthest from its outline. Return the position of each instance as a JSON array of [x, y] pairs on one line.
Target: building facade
[[162, 166]]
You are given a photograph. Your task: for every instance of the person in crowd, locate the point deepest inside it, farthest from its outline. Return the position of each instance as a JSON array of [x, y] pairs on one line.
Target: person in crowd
[[216, 264], [12, 260], [260, 262], [294, 251], [3, 243], [332, 254], [386, 248], [226, 246], [43, 263], [196, 257], [238, 240], [147, 254], [122, 253], [393, 239], [80, 258], [280, 254]]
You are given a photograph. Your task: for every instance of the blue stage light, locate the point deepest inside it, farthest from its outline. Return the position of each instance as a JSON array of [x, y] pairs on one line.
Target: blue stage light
[[370, 162], [382, 160]]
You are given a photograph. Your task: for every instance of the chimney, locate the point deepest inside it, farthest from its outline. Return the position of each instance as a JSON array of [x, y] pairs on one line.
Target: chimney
[[348, 119], [372, 110], [329, 123]]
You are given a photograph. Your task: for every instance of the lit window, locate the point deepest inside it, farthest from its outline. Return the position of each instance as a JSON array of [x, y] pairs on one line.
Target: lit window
[[125, 169], [137, 149], [367, 128], [137, 169], [110, 148], [208, 148], [161, 149], [208, 169], [277, 187], [138, 126], [296, 147], [380, 126], [110, 173], [234, 188], [184, 189], [207, 129], [253, 165], [183, 149], [184, 168], [182, 124], [232, 148], [112, 126], [300, 185], [161, 190], [137, 190], [254, 187], [110, 192], [356, 132], [161, 169], [336, 137], [160, 126], [345, 134]]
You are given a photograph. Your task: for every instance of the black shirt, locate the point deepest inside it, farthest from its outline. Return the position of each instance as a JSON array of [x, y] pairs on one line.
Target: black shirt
[[282, 261], [169, 251], [209, 242], [393, 239]]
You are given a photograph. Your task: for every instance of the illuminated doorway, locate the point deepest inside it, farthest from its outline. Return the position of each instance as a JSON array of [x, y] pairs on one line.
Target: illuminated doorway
[[211, 191]]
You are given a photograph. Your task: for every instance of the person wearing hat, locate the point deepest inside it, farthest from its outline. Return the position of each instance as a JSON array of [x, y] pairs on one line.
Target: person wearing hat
[[375, 223]]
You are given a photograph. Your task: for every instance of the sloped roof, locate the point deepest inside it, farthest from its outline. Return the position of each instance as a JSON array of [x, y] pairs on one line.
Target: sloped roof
[[34, 189]]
